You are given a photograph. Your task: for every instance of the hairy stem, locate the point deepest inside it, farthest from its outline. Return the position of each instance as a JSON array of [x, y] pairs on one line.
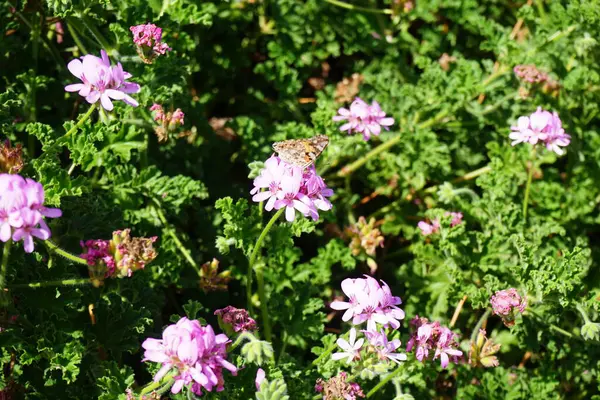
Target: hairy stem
[[528, 185], [180, 246], [155, 385], [81, 121], [384, 381], [63, 253], [4, 266], [359, 8], [61, 282], [483, 318], [251, 262]]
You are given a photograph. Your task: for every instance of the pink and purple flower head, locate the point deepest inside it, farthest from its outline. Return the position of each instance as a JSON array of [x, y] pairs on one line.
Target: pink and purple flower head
[[363, 118], [284, 185], [196, 354], [148, 41], [22, 211], [431, 337], [101, 81], [236, 319], [369, 302], [507, 304], [541, 127]]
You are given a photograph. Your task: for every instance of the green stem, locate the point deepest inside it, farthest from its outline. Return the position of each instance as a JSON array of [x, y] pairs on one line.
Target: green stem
[[55, 249], [349, 169], [264, 310], [4, 267], [96, 34], [359, 8], [383, 382], [483, 318], [582, 311], [552, 326], [61, 282], [76, 38], [528, 185], [155, 385], [251, 262], [81, 121], [180, 246]]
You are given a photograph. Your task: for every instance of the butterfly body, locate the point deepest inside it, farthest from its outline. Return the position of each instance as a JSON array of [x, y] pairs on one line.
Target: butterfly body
[[301, 152]]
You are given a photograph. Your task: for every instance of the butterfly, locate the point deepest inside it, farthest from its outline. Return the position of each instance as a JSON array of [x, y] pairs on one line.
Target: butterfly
[[301, 152]]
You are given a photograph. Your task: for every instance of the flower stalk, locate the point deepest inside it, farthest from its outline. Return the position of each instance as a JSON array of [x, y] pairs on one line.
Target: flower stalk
[[62, 282], [384, 381], [4, 266], [63, 253], [81, 121]]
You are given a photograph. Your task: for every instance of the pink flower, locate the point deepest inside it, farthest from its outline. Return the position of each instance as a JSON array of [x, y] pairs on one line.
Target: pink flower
[[194, 351], [237, 318], [363, 118], [428, 229], [428, 336], [260, 377], [385, 348], [148, 40], [541, 126], [101, 81], [22, 211], [369, 302], [456, 218], [507, 304], [290, 187]]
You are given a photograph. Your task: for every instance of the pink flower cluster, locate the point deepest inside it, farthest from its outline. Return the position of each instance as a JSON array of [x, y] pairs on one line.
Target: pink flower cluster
[[120, 256], [101, 81], [435, 226], [541, 126], [170, 119], [432, 336], [148, 38], [195, 352], [369, 302], [22, 211], [363, 118], [288, 186], [507, 304], [236, 318], [530, 73]]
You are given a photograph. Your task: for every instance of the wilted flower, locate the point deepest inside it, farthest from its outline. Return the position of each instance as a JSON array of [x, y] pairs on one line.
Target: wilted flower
[[483, 350], [365, 237], [363, 118], [101, 81], [236, 318], [347, 89], [541, 126], [337, 388], [195, 352], [429, 228], [445, 60], [148, 41], [22, 210], [168, 122], [531, 74], [211, 279], [11, 158], [507, 304], [288, 186], [121, 256], [369, 302], [432, 336]]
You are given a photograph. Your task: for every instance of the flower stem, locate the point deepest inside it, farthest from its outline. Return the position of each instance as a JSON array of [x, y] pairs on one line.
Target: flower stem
[[63, 282], [384, 381], [260, 282], [261, 292], [359, 8], [528, 186], [4, 266], [483, 318], [81, 121], [55, 249], [582, 311], [180, 246], [155, 385]]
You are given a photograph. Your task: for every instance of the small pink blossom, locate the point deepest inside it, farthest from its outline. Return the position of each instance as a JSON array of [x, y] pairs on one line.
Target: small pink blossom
[[428, 229], [148, 41], [541, 126], [195, 352], [363, 118], [432, 336], [507, 304], [260, 377], [101, 81], [22, 211], [289, 186], [236, 318], [456, 218]]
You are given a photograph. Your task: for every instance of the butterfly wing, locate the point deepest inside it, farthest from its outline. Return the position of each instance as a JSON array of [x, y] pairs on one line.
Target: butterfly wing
[[301, 152]]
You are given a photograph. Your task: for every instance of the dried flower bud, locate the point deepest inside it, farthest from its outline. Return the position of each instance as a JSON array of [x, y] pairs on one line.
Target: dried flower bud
[[507, 304], [364, 237], [347, 89], [337, 388], [483, 351], [210, 278], [445, 61], [233, 319], [11, 158], [168, 122]]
